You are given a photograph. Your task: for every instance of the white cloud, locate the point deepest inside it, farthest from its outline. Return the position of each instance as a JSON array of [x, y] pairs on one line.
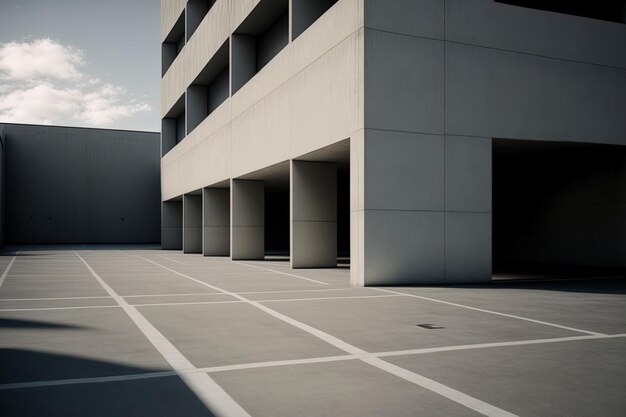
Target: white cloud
[[41, 58], [43, 83]]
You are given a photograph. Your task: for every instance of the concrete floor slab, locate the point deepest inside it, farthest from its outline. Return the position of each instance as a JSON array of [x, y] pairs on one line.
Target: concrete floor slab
[[383, 324], [225, 334], [57, 344], [164, 397], [584, 378], [54, 285], [562, 377], [603, 301], [150, 283], [56, 303], [340, 389], [169, 299]]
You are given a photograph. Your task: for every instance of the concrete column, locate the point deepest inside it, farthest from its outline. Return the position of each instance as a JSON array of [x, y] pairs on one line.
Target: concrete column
[[192, 223], [313, 203], [172, 225], [420, 209], [247, 213], [216, 222]]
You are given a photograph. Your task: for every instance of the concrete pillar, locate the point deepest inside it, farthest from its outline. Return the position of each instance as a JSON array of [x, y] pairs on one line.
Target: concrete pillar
[[192, 223], [313, 202], [216, 222], [420, 209], [172, 225], [247, 213]]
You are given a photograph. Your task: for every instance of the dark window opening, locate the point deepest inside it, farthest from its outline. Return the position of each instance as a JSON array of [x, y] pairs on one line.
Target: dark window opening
[[173, 126], [209, 89], [261, 36], [196, 11], [305, 12], [173, 44]]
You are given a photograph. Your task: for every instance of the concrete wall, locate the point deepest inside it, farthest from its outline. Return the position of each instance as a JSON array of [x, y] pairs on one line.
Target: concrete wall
[[421, 88], [76, 185], [276, 115], [442, 79], [2, 181]]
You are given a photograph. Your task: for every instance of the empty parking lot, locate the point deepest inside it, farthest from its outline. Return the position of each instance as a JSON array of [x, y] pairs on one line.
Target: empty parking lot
[[102, 331]]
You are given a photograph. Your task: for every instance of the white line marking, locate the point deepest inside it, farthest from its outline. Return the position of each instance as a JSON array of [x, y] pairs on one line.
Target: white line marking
[[494, 312], [290, 362], [55, 308], [170, 259], [171, 295], [52, 298], [7, 269], [207, 390], [187, 304], [327, 298], [281, 272], [264, 301], [197, 303], [285, 291], [88, 380], [447, 392]]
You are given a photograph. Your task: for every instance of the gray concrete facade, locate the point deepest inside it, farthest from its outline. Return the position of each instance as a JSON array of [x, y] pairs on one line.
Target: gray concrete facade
[[429, 95], [80, 185]]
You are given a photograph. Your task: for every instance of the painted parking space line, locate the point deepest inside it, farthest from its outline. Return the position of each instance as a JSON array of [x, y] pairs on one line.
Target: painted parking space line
[[205, 388], [87, 380], [6, 270], [482, 310], [3, 310], [288, 291], [281, 272], [53, 298], [348, 297], [170, 295], [186, 303], [295, 362], [443, 390]]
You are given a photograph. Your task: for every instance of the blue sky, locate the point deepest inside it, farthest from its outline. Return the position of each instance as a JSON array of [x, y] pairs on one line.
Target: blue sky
[[80, 63]]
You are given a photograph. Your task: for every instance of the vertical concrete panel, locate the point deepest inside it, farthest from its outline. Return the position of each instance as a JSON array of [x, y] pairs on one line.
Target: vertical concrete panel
[[78, 185], [313, 214], [468, 247], [247, 208], [468, 174], [2, 198], [172, 225], [192, 223], [216, 222], [397, 208]]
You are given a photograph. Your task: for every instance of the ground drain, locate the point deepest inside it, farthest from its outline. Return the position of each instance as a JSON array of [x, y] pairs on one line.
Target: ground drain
[[430, 326]]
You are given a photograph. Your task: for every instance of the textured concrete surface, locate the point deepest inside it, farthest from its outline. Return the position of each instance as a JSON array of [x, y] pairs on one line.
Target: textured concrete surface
[[94, 330]]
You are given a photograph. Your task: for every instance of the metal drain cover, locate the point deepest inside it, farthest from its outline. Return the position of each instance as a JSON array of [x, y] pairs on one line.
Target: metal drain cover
[[430, 326]]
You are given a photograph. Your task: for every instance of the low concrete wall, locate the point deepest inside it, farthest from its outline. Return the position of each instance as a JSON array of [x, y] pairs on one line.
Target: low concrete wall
[[77, 185]]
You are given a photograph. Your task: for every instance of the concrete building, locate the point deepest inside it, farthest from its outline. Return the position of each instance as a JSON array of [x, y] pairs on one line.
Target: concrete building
[[78, 185], [430, 140]]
